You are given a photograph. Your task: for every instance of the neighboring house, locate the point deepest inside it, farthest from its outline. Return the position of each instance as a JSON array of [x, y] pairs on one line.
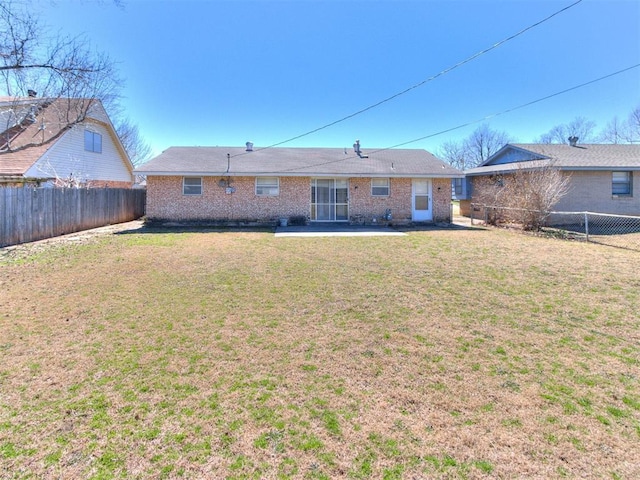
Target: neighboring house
[[604, 178], [319, 184], [62, 142], [461, 195]]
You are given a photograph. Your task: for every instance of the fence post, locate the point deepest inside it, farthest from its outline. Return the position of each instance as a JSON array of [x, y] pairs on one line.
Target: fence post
[[586, 225]]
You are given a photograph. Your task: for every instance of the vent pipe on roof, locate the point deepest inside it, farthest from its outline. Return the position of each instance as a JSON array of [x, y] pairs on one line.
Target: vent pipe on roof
[[356, 148], [573, 141], [249, 146]]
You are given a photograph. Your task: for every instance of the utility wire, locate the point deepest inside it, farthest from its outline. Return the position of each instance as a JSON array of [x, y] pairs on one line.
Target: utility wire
[[493, 115], [509, 110], [423, 82]]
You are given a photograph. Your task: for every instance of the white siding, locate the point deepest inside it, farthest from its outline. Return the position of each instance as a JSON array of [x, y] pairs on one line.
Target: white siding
[[97, 112], [68, 156]]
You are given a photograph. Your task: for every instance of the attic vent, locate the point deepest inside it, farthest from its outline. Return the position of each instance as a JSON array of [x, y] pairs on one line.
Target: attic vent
[[356, 148], [573, 141], [249, 146]]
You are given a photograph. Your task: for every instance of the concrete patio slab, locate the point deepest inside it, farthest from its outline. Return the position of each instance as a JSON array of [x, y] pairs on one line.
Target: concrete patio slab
[[337, 230]]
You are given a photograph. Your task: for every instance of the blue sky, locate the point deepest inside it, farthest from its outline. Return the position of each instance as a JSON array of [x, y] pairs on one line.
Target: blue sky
[[226, 72]]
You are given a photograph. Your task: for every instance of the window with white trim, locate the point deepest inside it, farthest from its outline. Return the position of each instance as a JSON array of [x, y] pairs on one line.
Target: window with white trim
[[380, 187], [92, 141], [267, 186], [192, 186], [621, 183]]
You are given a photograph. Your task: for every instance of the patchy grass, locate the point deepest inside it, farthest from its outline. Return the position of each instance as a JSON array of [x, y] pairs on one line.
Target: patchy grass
[[458, 354]]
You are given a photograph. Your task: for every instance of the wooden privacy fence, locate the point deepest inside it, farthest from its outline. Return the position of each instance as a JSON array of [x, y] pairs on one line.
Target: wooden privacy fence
[[29, 214]]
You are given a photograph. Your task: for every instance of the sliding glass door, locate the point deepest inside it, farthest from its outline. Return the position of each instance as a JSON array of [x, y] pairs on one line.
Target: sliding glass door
[[329, 200]]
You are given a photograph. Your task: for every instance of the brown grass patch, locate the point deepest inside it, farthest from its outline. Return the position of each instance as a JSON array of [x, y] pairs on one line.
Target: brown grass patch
[[463, 354]]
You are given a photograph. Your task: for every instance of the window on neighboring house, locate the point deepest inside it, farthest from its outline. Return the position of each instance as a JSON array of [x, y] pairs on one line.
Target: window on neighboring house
[[269, 186], [192, 186], [621, 183], [92, 141], [380, 187], [457, 186]]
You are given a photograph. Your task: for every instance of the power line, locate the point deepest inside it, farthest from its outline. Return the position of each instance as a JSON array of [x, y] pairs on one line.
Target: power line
[[458, 127], [423, 82], [509, 110]]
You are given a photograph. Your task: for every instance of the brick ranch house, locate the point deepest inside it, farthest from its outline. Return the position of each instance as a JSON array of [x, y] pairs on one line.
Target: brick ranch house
[[264, 186], [603, 178]]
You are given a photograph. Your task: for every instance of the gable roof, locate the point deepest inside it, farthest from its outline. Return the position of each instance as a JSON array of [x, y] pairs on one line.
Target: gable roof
[[292, 162], [564, 157], [31, 126]]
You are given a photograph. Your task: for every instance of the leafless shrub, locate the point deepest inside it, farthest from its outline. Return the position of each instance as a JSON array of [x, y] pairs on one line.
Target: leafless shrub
[[526, 196]]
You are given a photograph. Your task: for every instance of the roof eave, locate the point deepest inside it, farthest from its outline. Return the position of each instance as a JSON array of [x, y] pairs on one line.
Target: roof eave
[[511, 146], [156, 173], [604, 168], [564, 168]]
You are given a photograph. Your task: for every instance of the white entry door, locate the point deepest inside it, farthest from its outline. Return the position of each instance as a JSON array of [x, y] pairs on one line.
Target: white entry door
[[421, 205]]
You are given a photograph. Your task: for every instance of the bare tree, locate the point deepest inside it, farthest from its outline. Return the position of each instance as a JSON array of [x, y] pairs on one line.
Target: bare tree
[[634, 124], [557, 134], [614, 132], [51, 68], [622, 131], [475, 149], [55, 81], [454, 154], [75, 179], [484, 142], [54, 67], [579, 127], [582, 128], [138, 149]]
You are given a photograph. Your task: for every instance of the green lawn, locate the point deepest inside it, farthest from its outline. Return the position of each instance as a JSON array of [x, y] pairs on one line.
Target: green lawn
[[445, 353]]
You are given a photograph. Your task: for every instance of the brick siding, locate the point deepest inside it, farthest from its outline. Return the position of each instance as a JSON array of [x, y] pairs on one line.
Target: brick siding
[[165, 201], [592, 191], [441, 199]]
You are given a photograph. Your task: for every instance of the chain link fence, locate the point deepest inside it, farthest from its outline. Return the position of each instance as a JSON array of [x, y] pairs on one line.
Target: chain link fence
[[621, 231]]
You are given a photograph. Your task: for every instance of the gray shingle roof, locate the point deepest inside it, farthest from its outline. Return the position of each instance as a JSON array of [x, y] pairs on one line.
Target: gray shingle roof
[[206, 161], [562, 156]]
